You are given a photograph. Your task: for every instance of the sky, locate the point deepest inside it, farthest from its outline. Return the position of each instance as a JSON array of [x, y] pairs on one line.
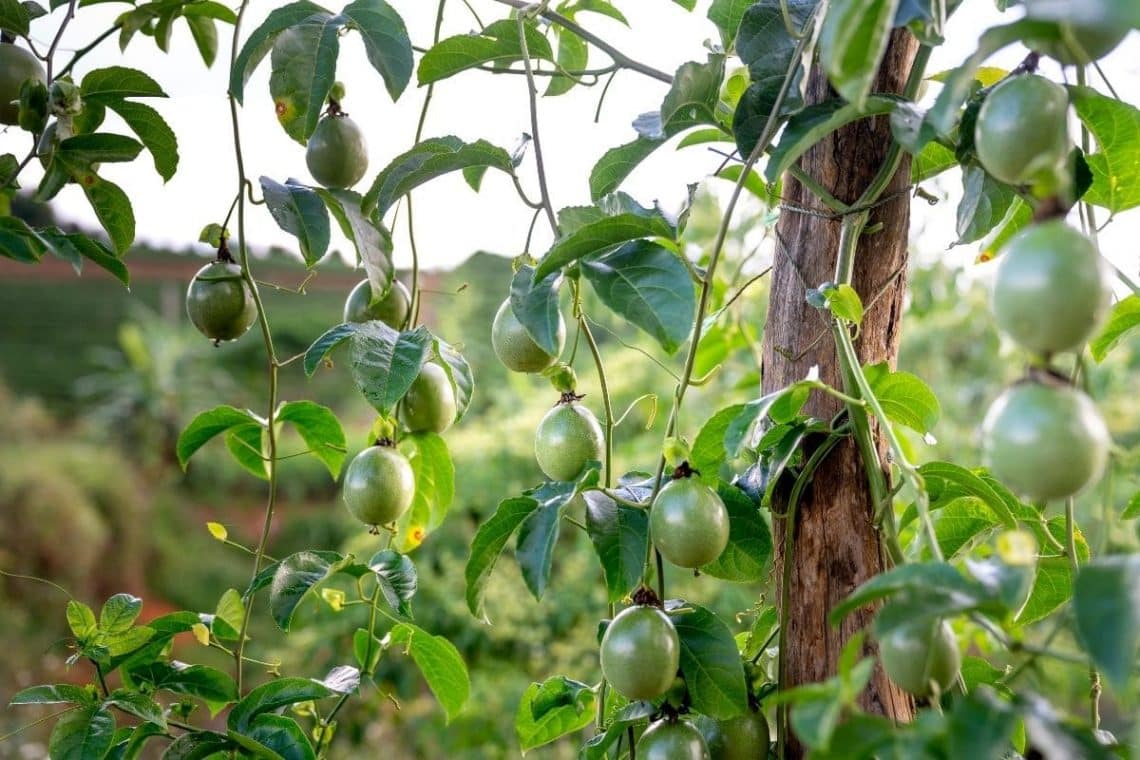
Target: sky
[[452, 222]]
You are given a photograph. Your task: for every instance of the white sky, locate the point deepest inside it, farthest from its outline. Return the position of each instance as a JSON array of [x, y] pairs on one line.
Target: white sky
[[452, 221]]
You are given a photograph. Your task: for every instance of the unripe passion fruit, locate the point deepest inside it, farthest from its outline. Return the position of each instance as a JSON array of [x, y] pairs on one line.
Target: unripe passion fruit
[[915, 656], [745, 737], [429, 405], [515, 348], [568, 437], [673, 741], [337, 155], [392, 309], [689, 523], [378, 485], [1022, 135], [640, 653], [1045, 441], [16, 65], [1051, 291], [219, 303], [1079, 45]]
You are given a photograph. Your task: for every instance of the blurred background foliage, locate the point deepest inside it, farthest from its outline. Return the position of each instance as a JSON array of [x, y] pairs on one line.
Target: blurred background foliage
[[96, 383]]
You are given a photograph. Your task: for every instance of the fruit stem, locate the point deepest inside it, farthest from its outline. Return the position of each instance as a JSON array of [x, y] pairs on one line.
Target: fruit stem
[[607, 402]]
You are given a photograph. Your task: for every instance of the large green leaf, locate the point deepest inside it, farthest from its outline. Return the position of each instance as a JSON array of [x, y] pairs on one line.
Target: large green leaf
[[497, 43], [745, 559], [538, 534], [155, 134], [932, 160], [386, 363], [941, 585], [620, 535], [83, 734], [553, 723], [647, 284], [397, 577], [573, 55], [111, 205], [205, 426], [247, 445], [852, 42], [985, 203], [275, 736], [119, 613], [386, 41], [727, 15], [14, 17], [319, 429], [427, 160], [372, 241], [708, 452], [616, 219], [710, 663], [459, 372], [56, 694], [945, 480], [960, 521], [1053, 586], [905, 398], [297, 575], [439, 662], [261, 40], [1122, 321], [535, 305], [488, 544], [435, 488], [77, 246], [298, 210], [1116, 164], [273, 695], [211, 685], [303, 63], [813, 123], [102, 86], [197, 745], [1106, 604]]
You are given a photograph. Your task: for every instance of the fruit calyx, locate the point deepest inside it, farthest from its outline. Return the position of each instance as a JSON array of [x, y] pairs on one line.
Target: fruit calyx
[[645, 597], [684, 470], [1044, 375], [224, 255], [569, 397]]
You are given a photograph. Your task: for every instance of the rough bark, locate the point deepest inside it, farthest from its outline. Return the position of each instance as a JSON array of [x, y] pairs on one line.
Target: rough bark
[[836, 546]]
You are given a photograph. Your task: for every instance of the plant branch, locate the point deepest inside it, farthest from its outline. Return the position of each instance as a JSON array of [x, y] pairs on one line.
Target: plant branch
[[606, 400], [71, 6], [88, 48], [620, 58], [532, 96]]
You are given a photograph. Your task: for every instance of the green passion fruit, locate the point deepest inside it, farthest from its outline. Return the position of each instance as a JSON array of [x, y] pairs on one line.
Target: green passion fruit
[[665, 740], [1052, 288], [429, 405], [568, 437], [515, 348], [218, 302], [640, 652], [920, 655], [392, 309], [1045, 440], [378, 485], [745, 737], [1022, 134], [16, 66], [337, 154], [689, 523], [1078, 44]]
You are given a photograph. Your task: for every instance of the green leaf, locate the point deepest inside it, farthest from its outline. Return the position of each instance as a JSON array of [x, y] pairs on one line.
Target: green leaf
[[940, 583], [435, 488], [553, 723], [905, 398], [790, 399], [708, 452], [620, 535], [273, 695], [1116, 164], [427, 160], [228, 615], [319, 429], [852, 41], [20, 242], [844, 303], [745, 559], [277, 736], [205, 34], [727, 15], [198, 745], [298, 210], [960, 521], [323, 345], [303, 69], [261, 40], [385, 363], [1053, 586], [1106, 604], [83, 734], [458, 372], [139, 705], [617, 163], [205, 426], [102, 86], [295, 576], [155, 134], [386, 41], [488, 544], [622, 220], [211, 685], [815, 122], [934, 159], [710, 663], [111, 205], [985, 202], [14, 18], [646, 284], [573, 55], [396, 576], [63, 693], [538, 534], [119, 613], [535, 305], [630, 715], [77, 246], [81, 620], [439, 662], [1132, 511], [247, 444], [372, 241], [498, 43], [944, 478], [1019, 216]]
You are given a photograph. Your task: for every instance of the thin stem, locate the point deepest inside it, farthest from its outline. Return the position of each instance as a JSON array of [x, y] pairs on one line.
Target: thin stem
[[88, 48], [50, 56], [606, 400], [372, 613], [620, 58], [600, 711], [271, 355], [532, 97], [38, 721]]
